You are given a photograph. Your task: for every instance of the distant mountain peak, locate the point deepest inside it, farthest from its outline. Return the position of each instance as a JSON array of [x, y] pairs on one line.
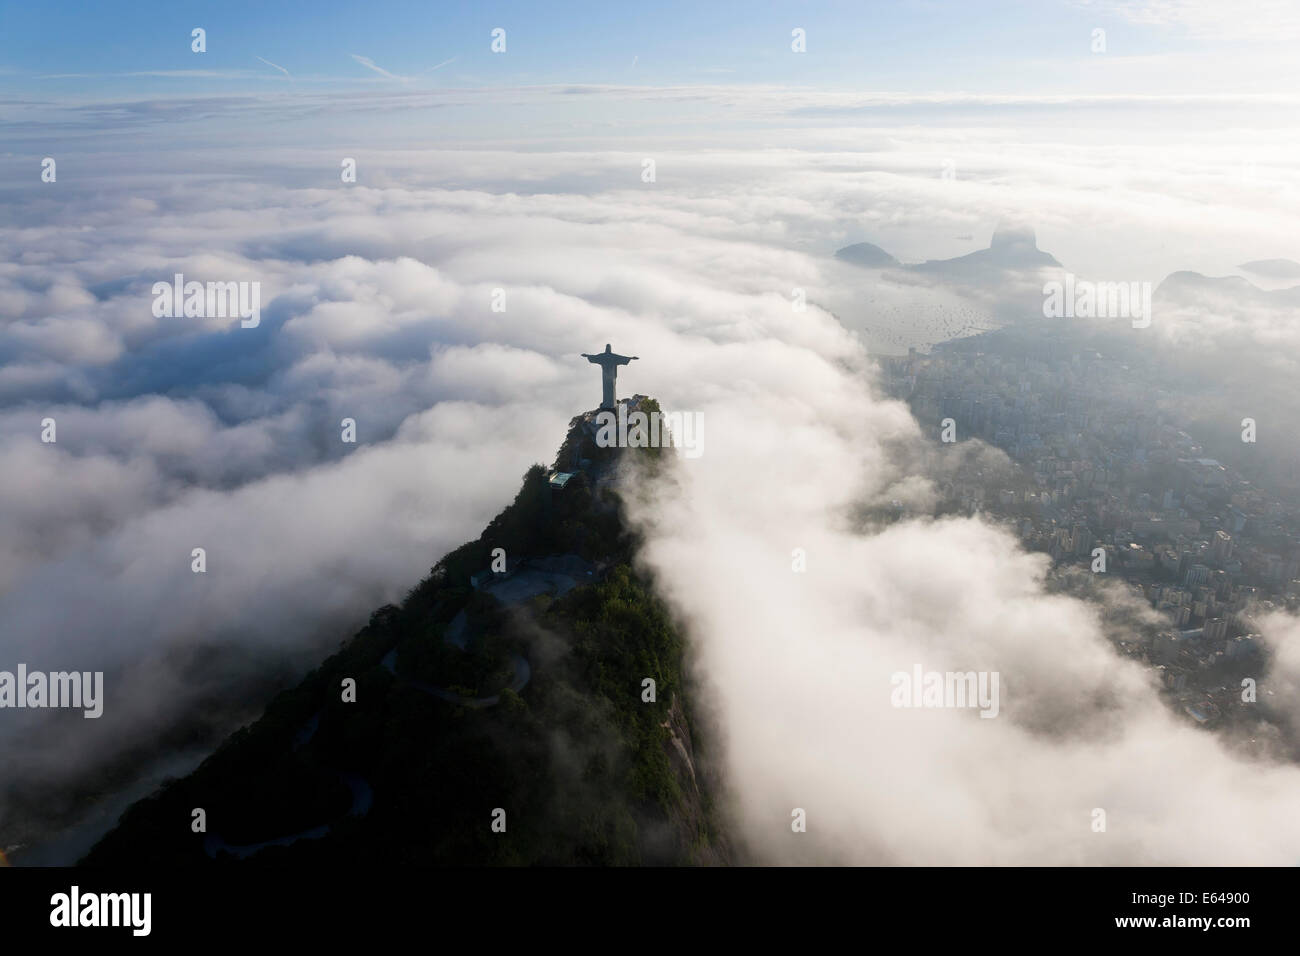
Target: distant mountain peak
[[1014, 234], [1014, 246], [866, 254]]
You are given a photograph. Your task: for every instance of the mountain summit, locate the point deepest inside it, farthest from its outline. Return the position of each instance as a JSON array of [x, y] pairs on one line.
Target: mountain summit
[[1012, 247], [525, 704], [868, 255]]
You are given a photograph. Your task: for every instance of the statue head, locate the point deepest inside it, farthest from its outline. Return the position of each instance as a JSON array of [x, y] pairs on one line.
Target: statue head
[[606, 346]]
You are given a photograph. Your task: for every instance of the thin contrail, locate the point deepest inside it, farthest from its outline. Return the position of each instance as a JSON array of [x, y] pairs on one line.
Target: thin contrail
[[370, 65], [439, 66], [276, 65]]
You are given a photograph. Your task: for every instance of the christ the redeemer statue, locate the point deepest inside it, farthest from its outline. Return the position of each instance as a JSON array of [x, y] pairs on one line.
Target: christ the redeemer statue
[[609, 363]]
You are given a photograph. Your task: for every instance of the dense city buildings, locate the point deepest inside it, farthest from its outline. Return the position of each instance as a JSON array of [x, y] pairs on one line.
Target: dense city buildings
[[1107, 479]]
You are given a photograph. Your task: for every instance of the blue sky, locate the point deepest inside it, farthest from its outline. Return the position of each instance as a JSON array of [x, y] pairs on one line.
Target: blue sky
[[82, 49], [414, 74]]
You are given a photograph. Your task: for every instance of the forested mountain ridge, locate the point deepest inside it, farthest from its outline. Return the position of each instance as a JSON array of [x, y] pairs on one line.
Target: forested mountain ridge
[[499, 714]]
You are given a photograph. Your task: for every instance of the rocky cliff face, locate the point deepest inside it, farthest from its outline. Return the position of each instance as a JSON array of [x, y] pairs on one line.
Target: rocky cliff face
[[705, 842]]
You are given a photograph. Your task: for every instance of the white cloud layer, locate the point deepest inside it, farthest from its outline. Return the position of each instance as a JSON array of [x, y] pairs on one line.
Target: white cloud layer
[[183, 433]]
